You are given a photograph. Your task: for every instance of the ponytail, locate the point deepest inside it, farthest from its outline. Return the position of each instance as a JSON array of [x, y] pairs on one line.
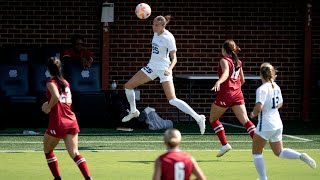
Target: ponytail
[[231, 48], [54, 68], [235, 59]]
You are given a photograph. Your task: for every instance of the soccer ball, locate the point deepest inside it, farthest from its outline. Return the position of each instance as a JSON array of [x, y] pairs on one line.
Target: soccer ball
[[143, 11]]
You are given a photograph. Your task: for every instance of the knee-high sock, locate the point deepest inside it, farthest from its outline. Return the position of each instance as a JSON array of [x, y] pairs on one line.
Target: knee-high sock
[[131, 99], [184, 107], [250, 127], [288, 153], [219, 130], [82, 164], [53, 164], [260, 167]]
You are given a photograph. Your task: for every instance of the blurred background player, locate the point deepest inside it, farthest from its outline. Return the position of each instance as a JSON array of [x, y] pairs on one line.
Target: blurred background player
[[268, 101], [163, 44], [229, 94], [78, 53], [175, 164], [62, 121]]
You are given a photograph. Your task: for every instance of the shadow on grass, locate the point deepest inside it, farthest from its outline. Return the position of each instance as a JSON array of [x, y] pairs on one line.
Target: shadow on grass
[[139, 162]]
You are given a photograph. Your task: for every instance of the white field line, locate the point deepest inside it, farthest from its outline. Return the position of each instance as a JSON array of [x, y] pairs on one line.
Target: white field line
[[130, 142], [232, 125], [289, 136], [143, 150], [295, 137]]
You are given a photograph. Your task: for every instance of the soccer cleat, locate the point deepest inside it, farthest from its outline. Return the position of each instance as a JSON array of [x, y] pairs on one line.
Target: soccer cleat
[[202, 124], [130, 116], [308, 160], [224, 149]]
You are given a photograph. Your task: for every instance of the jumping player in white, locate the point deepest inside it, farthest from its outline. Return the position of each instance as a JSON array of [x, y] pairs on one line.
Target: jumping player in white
[[269, 128], [163, 45]]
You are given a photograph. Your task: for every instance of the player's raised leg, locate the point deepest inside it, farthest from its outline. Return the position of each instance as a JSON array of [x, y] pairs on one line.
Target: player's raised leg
[[169, 90], [138, 79], [287, 153], [241, 113]]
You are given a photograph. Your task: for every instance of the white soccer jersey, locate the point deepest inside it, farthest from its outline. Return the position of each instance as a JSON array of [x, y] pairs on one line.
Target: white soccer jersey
[[161, 47], [269, 118]]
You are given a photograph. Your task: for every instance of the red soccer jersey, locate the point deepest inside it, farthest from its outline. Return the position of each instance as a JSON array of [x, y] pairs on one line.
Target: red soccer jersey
[[176, 165], [232, 86], [230, 92], [61, 117], [77, 57]]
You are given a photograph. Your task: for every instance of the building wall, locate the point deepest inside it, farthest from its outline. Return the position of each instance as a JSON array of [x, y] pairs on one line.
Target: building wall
[[37, 23], [266, 31]]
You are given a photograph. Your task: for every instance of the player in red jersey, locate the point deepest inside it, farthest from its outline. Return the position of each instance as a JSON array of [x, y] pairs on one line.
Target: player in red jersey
[[78, 53], [229, 94], [62, 121], [176, 164]]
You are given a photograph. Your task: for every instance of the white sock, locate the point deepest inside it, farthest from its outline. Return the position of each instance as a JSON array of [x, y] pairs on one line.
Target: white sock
[[259, 164], [287, 153], [131, 99], [184, 107]]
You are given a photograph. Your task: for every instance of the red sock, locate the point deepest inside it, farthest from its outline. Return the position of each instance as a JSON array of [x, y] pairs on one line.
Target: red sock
[[82, 164], [250, 128], [219, 130], [53, 164]]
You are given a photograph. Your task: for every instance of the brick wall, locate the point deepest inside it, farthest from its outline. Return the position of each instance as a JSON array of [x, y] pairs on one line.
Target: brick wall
[[266, 31], [35, 23]]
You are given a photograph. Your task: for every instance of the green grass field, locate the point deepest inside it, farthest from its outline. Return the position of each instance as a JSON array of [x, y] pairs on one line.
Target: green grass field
[[120, 155]]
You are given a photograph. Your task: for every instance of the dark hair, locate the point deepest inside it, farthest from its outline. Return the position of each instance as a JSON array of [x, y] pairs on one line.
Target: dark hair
[[54, 68], [268, 72], [76, 37], [231, 48]]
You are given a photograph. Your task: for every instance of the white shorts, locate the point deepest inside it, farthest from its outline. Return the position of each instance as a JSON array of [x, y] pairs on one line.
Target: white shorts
[[153, 74], [271, 136]]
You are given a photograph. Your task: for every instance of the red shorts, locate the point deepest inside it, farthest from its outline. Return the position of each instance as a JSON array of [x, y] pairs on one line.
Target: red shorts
[[61, 133], [227, 102]]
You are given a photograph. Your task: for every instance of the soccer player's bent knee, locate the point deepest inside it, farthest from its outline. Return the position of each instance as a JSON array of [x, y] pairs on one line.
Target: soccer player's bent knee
[[127, 86], [73, 154], [278, 153], [173, 101]]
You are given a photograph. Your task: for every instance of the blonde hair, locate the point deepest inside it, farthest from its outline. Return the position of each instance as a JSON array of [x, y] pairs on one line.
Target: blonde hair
[[172, 137], [268, 72], [163, 20]]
